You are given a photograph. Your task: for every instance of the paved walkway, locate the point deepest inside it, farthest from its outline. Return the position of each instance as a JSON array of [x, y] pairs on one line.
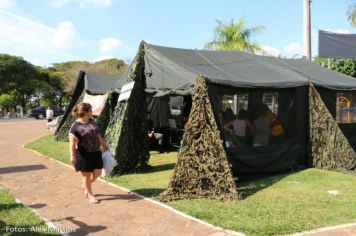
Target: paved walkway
[[54, 191]]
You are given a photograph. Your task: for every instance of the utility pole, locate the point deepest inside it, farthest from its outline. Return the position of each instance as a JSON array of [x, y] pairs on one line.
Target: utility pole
[[307, 37]]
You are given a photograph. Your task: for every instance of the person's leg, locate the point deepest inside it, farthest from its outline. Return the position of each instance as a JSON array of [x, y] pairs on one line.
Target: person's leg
[[95, 174], [158, 137], [86, 182]]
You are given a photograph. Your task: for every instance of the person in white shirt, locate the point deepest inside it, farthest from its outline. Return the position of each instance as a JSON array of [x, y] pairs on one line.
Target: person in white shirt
[[49, 115], [238, 128]]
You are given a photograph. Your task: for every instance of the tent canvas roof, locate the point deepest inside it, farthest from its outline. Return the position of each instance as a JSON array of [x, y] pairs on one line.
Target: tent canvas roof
[[173, 69], [97, 84]]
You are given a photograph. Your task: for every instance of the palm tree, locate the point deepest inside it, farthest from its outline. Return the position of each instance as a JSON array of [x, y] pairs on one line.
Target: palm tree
[[352, 14], [235, 37]]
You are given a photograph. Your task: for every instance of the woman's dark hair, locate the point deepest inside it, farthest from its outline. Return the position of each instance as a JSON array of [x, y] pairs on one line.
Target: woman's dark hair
[[228, 115], [80, 109], [243, 115]]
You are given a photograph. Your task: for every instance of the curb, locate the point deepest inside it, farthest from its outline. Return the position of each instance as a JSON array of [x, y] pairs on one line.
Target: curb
[[228, 232]]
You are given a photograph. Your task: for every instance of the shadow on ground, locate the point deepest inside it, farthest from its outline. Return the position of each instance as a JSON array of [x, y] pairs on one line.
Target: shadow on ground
[[251, 187], [110, 197], [82, 228], [149, 192], [13, 169], [158, 168]]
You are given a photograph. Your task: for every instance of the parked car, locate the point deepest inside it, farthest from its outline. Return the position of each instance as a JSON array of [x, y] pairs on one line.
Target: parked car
[[40, 112]]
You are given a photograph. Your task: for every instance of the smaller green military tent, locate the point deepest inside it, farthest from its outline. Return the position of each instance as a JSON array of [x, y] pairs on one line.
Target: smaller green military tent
[[88, 84]]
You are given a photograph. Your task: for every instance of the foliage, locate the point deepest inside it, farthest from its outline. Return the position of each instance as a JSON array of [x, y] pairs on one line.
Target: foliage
[[26, 83], [351, 14], [126, 133], [278, 205], [235, 37], [53, 93], [47, 86], [202, 169], [7, 100], [345, 66], [330, 148], [19, 78]]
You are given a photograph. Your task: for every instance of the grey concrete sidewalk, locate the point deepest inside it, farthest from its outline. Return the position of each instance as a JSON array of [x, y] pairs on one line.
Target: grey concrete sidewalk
[[54, 191]]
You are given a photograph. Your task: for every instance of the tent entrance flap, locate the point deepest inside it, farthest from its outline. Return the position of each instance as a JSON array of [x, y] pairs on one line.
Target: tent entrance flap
[[264, 130]]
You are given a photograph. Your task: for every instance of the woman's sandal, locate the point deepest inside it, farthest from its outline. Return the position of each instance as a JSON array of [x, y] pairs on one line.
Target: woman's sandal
[[93, 200]]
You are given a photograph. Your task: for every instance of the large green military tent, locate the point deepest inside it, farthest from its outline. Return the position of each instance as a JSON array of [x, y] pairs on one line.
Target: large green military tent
[[302, 94], [91, 86]]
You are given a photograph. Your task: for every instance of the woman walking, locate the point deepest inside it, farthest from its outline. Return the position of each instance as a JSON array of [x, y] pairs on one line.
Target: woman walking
[[85, 142]]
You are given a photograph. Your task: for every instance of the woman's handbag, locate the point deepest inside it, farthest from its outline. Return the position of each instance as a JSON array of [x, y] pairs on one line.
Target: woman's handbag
[[109, 162]]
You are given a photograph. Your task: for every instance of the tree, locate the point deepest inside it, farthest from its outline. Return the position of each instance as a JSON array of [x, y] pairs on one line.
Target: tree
[[18, 78], [352, 14], [7, 101], [345, 66], [235, 37]]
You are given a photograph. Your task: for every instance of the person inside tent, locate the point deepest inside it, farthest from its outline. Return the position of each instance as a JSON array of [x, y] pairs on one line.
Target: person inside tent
[[239, 128], [227, 117], [262, 126], [155, 139]]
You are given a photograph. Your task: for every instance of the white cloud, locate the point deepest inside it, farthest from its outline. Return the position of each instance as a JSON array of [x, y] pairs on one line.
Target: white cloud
[[103, 57], [66, 36], [293, 49], [271, 50], [109, 45], [7, 3], [30, 38]]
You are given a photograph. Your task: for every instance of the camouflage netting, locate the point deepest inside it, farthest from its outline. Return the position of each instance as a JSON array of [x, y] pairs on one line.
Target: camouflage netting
[[202, 169], [105, 115], [126, 132], [62, 133], [330, 148]]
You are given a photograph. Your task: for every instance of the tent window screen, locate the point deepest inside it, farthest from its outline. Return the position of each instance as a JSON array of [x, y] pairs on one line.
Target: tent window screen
[[346, 107], [271, 100], [250, 119], [235, 102], [249, 151]]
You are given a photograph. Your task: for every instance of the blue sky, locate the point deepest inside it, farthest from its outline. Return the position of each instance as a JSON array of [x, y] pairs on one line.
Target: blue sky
[[49, 31]]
